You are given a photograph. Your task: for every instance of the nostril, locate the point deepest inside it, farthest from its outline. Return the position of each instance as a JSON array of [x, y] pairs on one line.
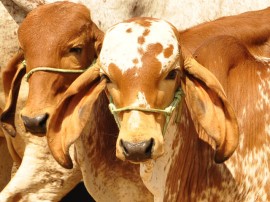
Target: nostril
[[137, 152], [36, 124], [42, 119], [148, 150]]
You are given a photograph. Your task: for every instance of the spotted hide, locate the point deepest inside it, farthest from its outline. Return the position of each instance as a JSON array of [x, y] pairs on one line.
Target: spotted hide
[[177, 119], [246, 81], [164, 9]]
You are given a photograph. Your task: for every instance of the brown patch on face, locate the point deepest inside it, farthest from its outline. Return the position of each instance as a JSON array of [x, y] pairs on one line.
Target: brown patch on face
[[146, 32], [141, 40], [129, 30], [144, 23], [135, 61], [140, 51], [112, 65], [151, 65], [154, 49], [168, 51], [149, 57], [141, 21], [112, 68], [115, 73]]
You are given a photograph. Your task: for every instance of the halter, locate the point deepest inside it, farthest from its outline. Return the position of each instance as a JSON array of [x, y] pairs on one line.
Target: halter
[[167, 111], [51, 69]]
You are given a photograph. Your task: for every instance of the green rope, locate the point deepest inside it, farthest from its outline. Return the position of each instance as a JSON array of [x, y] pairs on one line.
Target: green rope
[[51, 69], [167, 111]]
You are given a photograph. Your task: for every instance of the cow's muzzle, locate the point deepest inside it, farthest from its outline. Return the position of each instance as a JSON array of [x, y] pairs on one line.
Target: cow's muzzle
[[137, 152], [35, 125]]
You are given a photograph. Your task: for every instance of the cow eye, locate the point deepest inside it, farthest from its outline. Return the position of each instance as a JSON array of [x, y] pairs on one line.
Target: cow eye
[[76, 50], [172, 75], [104, 76]]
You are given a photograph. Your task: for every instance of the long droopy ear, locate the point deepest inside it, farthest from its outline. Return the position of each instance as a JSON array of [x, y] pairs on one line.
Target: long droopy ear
[[70, 113], [210, 108], [12, 76]]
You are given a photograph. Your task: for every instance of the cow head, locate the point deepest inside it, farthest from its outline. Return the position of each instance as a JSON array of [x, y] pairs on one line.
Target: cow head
[[147, 75], [143, 77], [58, 41]]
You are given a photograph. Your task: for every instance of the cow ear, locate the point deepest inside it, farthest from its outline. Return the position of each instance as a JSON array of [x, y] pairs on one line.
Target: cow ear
[[70, 116], [210, 108], [98, 37], [12, 76]]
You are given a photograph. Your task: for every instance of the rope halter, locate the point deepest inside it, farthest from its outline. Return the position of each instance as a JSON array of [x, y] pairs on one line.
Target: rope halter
[[52, 69], [167, 111]]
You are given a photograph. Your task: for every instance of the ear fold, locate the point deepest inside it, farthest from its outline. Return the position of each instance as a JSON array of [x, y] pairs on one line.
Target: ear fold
[[12, 76], [209, 106], [10, 70], [77, 102], [98, 36]]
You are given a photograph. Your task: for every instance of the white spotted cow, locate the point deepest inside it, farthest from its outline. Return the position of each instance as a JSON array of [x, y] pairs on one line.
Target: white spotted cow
[[178, 120]]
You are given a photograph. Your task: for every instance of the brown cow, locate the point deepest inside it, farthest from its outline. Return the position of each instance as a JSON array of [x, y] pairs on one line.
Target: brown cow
[[173, 114], [65, 39], [189, 19]]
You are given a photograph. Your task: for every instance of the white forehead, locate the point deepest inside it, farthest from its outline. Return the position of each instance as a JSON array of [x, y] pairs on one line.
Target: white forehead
[[121, 44]]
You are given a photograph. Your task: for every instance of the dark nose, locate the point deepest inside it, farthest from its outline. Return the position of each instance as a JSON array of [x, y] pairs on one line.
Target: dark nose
[[137, 152], [36, 124]]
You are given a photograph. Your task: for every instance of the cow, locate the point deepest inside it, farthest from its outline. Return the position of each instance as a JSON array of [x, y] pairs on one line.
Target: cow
[[67, 39], [133, 8], [107, 13], [189, 128]]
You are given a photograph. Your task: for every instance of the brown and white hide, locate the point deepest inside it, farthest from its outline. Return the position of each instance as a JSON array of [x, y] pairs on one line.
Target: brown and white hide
[[209, 149]]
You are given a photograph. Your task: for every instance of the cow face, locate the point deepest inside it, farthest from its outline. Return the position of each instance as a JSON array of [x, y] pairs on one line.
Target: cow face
[[142, 74], [66, 39]]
